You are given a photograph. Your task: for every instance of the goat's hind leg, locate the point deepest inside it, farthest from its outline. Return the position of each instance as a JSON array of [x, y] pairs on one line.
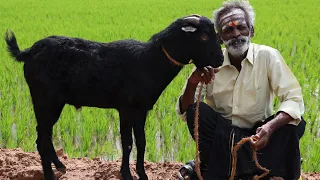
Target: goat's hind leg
[[139, 133], [47, 113]]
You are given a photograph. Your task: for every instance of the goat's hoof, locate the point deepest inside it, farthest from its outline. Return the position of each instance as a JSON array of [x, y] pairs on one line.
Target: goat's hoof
[[51, 178], [144, 177], [126, 176], [62, 170], [60, 166], [142, 173]]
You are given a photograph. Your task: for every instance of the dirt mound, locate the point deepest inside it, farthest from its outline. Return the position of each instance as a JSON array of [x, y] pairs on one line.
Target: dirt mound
[[312, 176], [16, 164]]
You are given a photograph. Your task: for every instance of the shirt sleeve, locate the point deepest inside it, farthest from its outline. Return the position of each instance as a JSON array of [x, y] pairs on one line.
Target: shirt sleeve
[[178, 104], [286, 87]]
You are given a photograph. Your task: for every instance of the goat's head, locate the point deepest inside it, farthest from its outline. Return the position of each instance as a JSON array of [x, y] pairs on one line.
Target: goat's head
[[192, 38]]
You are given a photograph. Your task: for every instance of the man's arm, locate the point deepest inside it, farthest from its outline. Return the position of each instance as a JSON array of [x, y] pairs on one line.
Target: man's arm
[[205, 75], [188, 96], [264, 132], [286, 87]]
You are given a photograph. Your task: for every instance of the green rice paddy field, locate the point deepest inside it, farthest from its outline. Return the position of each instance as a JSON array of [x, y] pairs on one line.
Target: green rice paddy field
[[292, 26]]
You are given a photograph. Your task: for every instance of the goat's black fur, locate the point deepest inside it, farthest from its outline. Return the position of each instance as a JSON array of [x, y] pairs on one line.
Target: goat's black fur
[[127, 75]]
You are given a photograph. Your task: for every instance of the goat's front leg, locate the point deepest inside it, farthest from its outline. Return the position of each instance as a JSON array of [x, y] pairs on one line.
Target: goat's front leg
[[126, 139], [140, 137]]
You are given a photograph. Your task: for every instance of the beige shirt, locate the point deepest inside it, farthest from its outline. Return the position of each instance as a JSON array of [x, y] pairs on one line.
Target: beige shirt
[[247, 97]]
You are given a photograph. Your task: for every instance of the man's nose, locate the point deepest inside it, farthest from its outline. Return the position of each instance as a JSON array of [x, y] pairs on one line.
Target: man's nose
[[235, 33]]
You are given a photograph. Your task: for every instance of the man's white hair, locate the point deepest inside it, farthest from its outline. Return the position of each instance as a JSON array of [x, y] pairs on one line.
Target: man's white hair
[[234, 4]]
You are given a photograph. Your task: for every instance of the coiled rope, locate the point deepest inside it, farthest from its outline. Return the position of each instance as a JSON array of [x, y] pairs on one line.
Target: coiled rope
[[254, 156]]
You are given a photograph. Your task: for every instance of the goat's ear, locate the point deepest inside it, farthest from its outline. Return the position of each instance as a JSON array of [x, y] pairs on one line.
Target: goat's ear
[[189, 29]]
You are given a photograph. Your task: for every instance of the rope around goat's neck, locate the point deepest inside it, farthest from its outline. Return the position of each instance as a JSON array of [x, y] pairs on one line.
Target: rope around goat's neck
[[175, 62], [196, 134], [254, 156]]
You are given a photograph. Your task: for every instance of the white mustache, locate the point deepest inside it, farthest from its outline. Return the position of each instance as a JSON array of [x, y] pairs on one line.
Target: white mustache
[[237, 46], [234, 41]]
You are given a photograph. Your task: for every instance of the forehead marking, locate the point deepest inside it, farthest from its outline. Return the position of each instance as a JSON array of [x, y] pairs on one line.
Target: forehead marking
[[233, 23], [238, 12]]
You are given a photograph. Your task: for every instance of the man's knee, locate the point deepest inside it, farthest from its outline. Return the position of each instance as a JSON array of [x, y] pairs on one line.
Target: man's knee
[[301, 127], [297, 131], [203, 108], [207, 118]]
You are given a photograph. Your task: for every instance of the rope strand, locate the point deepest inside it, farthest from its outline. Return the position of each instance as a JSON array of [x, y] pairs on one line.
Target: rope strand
[[196, 134], [254, 156]]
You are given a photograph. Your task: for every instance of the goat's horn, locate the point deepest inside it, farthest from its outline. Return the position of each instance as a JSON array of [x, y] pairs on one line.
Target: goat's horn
[[196, 15], [193, 19]]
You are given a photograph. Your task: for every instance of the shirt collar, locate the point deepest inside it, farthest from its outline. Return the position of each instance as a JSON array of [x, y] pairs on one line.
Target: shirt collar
[[249, 57], [250, 53]]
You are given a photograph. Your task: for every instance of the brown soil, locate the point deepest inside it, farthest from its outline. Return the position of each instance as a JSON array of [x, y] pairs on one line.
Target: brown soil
[[16, 164]]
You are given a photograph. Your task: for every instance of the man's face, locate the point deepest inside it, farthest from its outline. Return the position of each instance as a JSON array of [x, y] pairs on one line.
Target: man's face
[[235, 32]]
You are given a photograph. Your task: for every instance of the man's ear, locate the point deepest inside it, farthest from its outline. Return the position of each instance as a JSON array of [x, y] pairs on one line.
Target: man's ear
[[252, 32]]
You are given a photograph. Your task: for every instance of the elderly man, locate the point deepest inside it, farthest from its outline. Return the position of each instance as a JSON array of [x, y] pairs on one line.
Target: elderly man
[[239, 103]]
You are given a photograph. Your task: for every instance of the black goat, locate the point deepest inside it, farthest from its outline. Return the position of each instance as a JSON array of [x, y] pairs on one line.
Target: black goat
[[127, 75]]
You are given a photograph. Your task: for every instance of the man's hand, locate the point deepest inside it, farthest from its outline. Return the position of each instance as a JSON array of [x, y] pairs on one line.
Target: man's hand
[[262, 137], [264, 132], [205, 75]]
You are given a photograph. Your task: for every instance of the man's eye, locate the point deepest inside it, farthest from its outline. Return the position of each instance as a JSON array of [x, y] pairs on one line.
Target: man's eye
[[241, 27], [227, 30]]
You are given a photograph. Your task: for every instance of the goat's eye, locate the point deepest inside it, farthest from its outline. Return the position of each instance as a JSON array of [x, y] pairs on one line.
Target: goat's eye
[[204, 37]]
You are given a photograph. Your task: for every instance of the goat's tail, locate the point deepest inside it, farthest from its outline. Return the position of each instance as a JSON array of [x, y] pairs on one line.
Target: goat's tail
[[12, 46]]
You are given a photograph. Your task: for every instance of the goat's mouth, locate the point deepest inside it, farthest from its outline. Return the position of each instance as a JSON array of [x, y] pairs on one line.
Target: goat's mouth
[[214, 62], [214, 65]]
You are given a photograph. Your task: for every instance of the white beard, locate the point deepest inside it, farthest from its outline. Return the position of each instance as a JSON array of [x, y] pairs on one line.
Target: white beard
[[237, 47]]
